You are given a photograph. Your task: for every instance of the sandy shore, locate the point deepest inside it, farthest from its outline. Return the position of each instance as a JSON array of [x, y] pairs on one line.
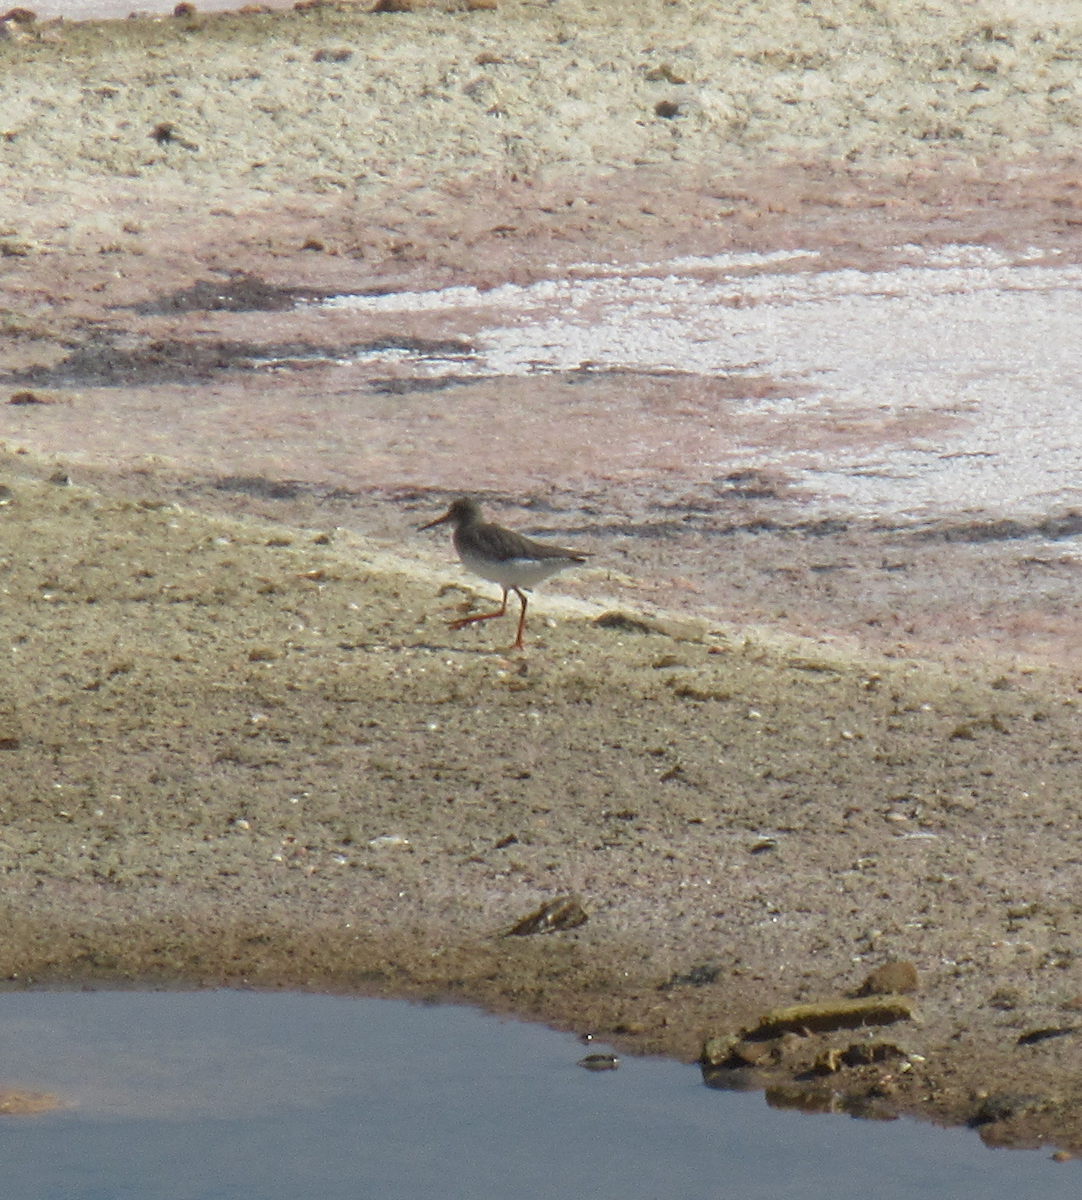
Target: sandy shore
[[242, 752]]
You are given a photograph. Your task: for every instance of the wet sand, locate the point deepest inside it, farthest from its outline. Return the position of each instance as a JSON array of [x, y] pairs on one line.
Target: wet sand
[[240, 745]]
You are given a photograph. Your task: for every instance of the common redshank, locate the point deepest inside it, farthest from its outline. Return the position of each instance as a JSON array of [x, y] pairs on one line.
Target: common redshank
[[501, 556]]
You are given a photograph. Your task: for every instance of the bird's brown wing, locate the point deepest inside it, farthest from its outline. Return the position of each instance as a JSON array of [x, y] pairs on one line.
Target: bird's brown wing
[[503, 544]]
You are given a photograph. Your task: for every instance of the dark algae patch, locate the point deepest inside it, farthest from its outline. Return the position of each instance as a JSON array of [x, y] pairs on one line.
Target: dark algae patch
[[101, 363]]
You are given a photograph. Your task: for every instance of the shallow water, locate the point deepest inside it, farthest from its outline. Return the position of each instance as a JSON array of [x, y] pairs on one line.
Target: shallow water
[[931, 384], [946, 381], [281, 1096]]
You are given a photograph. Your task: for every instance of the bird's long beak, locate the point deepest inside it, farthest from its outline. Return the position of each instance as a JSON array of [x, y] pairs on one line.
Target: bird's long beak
[[438, 521]]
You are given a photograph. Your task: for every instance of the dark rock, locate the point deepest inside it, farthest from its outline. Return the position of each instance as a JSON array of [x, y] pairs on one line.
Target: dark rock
[[896, 976]]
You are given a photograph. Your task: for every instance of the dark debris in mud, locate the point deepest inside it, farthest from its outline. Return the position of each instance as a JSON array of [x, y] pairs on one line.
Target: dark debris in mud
[[565, 912], [1005, 1106], [826, 527], [1033, 1036], [740, 382], [260, 487], [700, 976], [699, 517], [101, 363], [1052, 527], [407, 386], [746, 484], [241, 292]]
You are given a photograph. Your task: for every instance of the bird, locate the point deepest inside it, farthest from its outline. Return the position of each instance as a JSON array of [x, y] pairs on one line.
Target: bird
[[501, 556]]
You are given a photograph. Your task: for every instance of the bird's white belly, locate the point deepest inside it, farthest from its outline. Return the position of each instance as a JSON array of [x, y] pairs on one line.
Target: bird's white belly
[[514, 572]]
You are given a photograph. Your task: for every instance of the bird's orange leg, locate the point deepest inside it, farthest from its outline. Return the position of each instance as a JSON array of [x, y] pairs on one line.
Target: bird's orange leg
[[519, 644], [462, 622]]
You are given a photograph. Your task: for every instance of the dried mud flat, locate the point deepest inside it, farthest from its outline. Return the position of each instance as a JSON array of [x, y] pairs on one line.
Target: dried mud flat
[[241, 752]]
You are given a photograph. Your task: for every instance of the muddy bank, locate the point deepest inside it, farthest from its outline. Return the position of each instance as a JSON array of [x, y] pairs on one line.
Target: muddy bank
[[238, 754]]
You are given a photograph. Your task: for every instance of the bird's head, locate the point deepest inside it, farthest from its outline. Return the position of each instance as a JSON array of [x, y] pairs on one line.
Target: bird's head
[[463, 511]]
